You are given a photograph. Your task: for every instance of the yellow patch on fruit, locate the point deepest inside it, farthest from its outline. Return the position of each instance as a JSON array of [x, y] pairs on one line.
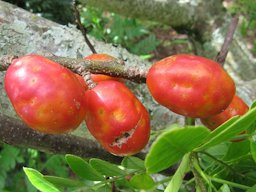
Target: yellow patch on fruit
[[137, 105], [170, 60], [36, 68], [65, 76], [118, 115], [141, 123]]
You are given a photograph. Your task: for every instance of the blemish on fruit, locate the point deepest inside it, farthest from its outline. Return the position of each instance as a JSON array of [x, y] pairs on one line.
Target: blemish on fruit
[[118, 115], [33, 81], [101, 112], [125, 136], [137, 105], [77, 104], [36, 68]]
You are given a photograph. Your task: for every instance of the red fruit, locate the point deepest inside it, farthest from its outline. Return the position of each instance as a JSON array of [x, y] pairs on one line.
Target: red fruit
[[98, 77], [190, 85], [236, 107], [46, 95], [116, 118]]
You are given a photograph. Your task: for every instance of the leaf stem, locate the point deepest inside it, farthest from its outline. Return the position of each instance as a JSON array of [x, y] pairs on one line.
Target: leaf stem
[[193, 163], [220, 162], [240, 186]]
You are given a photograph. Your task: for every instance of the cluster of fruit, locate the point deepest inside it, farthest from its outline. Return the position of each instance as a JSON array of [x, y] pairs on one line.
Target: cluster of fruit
[[52, 99]]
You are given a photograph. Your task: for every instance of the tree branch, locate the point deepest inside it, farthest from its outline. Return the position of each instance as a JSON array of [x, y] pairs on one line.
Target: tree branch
[[178, 14], [16, 133], [114, 68]]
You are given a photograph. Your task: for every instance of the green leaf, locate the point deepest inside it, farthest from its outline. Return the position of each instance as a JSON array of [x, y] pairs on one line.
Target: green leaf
[[222, 127], [253, 150], [106, 168], [142, 181], [252, 189], [83, 169], [229, 129], [172, 145], [145, 46], [37, 179], [63, 182], [253, 105], [54, 165], [133, 163], [237, 150], [175, 183], [224, 188], [104, 188]]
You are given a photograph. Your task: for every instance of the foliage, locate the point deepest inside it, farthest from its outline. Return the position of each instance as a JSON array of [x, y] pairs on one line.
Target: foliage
[[113, 28], [12, 159], [216, 162], [58, 11], [247, 8]]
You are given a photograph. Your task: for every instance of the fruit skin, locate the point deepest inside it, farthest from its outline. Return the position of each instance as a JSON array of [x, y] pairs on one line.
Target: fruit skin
[[236, 107], [98, 77], [47, 96], [114, 115], [190, 85]]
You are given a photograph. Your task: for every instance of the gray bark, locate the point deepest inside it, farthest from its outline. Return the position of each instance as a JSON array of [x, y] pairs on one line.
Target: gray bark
[[179, 14]]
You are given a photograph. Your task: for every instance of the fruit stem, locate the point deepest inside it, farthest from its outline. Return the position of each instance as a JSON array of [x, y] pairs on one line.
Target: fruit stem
[[88, 80]]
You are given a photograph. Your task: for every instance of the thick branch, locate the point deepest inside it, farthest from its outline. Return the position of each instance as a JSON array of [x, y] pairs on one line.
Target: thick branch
[[115, 68], [16, 133], [178, 14]]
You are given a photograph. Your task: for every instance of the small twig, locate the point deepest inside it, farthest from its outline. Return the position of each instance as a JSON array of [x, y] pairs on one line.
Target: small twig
[[112, 68], [81, 27], [6, 60], [113, 186], [221, 56]]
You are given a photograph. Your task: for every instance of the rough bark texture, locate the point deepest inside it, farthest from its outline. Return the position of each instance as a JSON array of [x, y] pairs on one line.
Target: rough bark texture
[[16, 133], [179, 14], [22, 33]]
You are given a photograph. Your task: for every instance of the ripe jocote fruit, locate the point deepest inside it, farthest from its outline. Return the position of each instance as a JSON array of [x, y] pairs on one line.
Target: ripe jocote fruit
[[116, 118], [190, 85], [47, 96]]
